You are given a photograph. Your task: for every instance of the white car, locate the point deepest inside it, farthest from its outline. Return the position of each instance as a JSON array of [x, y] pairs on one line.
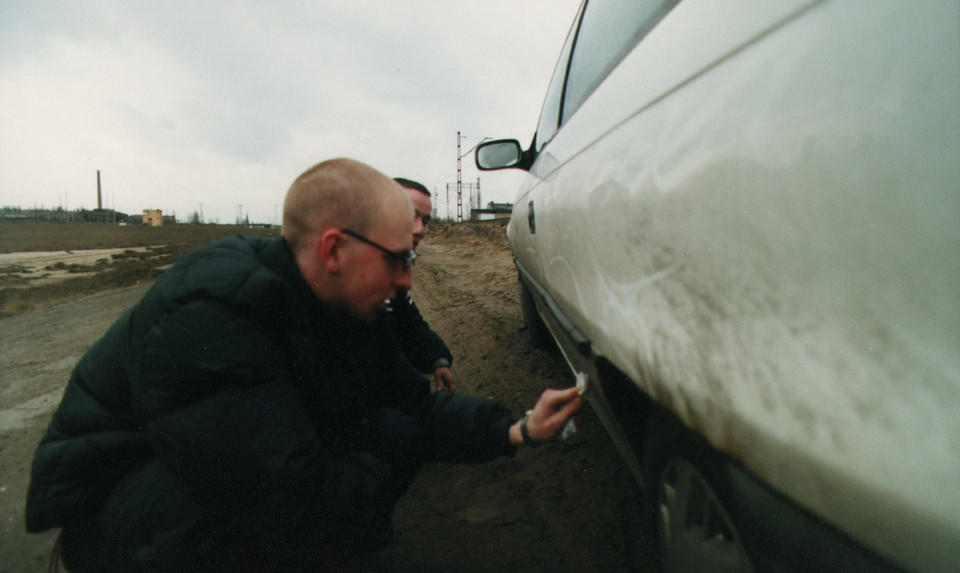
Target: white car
[[742, 223]]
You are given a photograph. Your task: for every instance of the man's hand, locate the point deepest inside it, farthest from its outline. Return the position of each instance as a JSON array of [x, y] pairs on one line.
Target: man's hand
[[444, 379], [548, 416]]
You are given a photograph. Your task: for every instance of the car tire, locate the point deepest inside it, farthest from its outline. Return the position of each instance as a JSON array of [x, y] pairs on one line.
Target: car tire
[[537, 331], [692, 525]]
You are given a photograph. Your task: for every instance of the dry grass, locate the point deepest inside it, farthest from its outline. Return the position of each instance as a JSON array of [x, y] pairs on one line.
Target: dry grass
[[164, 246]]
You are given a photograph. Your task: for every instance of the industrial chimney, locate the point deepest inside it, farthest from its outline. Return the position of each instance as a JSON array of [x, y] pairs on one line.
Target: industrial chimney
[[99, 195]]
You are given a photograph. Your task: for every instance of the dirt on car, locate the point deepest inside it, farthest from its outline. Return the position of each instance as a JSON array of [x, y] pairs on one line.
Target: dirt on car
[[567, 506]]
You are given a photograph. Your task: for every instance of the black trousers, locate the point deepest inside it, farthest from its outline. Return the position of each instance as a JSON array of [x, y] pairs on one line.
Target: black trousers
[[149, 522], [145, 523]]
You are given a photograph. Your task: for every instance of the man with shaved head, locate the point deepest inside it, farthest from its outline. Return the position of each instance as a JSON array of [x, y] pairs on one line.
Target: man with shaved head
[[253, 411]]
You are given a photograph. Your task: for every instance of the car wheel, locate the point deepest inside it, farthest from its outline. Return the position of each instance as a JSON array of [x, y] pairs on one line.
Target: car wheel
[[692, 527], [693, 530], [537, 331]]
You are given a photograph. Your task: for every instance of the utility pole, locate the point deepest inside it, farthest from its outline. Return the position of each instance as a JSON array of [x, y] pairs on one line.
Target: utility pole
[[460, 179], [459, 184], [449, 185]]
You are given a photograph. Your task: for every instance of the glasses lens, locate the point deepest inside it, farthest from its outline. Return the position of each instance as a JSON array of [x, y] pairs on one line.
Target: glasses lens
[[404, 260]]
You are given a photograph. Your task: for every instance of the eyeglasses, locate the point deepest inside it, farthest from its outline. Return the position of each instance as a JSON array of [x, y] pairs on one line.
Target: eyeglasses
[[405, 260]]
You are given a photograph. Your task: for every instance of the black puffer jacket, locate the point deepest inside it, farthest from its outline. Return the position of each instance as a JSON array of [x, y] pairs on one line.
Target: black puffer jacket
[[423, 347], [251, 391]]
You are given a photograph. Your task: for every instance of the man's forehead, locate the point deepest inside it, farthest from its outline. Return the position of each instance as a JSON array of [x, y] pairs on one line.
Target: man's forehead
[[418, 199]]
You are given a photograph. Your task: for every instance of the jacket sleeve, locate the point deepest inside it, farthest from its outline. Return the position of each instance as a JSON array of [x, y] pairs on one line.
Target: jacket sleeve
[[465, 429], [219, 410], [423, 347]]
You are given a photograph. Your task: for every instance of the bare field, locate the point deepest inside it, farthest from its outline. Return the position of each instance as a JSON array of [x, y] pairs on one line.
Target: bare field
[[27, 236], [45, 263], [570, 506]]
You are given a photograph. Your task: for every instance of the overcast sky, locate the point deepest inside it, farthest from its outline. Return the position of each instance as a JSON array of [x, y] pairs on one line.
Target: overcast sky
[[218, 106]]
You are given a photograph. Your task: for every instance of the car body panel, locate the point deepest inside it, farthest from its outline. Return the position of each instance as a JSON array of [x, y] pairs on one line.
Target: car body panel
[[761, 230]]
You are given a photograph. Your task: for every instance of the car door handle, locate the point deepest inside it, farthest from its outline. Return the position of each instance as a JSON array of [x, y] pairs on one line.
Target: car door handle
[[531, 219]]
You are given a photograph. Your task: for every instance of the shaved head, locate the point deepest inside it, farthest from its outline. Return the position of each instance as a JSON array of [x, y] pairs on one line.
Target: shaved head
[[337, 193]]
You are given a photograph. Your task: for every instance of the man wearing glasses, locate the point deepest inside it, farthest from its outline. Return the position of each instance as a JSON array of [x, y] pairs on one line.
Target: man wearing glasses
[[253, 411], [423, 346]]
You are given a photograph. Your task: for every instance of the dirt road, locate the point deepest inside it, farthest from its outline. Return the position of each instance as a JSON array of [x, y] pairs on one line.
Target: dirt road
[[38, 349], [569, 506]]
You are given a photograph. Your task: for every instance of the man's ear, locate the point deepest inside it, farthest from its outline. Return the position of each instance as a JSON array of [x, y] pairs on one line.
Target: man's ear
[[330, 252]]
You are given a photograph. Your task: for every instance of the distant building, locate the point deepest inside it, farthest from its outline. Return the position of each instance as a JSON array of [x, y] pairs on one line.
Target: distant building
[[153, 217], [493, 211], [62, 216]]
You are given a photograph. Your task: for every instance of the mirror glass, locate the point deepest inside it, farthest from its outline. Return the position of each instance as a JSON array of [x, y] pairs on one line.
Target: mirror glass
[[498, 154]]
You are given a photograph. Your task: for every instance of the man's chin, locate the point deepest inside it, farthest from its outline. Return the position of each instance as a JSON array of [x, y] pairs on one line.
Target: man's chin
[[372, 314], [365, 316], [362, 315]]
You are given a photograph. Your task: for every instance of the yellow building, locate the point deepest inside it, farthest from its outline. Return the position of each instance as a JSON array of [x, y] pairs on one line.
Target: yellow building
[[153, 217]]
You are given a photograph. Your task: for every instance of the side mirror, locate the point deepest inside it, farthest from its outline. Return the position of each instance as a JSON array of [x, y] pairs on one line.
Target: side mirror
[[499, 154]]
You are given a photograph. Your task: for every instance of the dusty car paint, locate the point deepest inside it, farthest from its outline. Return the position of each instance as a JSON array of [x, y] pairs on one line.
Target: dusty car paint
[[773, 250]]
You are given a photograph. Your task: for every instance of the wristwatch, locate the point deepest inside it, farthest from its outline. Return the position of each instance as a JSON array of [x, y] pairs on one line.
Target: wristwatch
[[525, 433]]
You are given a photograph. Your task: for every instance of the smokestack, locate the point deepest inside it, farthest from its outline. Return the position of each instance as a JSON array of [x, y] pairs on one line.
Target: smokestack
[[99, 195]]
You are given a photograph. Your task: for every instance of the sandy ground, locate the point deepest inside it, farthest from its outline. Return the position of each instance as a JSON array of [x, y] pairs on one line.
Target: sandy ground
[[569, 506]]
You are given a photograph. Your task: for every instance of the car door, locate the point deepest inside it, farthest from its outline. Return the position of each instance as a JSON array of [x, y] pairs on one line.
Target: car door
[[602, 35], [567, 216]]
